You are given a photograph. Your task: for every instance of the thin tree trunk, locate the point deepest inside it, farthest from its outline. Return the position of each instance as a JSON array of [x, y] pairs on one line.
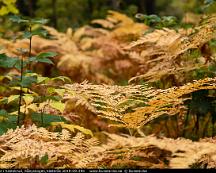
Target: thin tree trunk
[[150, 6], [30, 8], [116, 4], [54, 15], [142, 6]]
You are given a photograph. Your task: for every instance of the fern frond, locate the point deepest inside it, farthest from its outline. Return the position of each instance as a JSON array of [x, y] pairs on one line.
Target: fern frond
[[24, 148], [167, 102], [133, 106], [107, 101], [166, 50]]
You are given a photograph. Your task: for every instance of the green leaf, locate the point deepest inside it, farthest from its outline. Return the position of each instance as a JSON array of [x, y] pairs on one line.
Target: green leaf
[[28, 98], [58, 105], [207, 2], [40, 32], [8, 62], [72, 128], [3, 112], [27, 34], [44, 159], [6, 77], [60, 92], [4, 100], [10, 123], [47, 118], [8, 6], [43, 57], [2, 118], [18, 64], [39, 21], [41, 79], [46, 55], [50, 90], [18, 19], [25, 90], [45, 60], [62, 78], [27, 81], [12, 98], [40, 59]]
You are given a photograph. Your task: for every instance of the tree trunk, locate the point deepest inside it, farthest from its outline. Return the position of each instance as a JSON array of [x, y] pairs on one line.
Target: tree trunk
[[142, 6], [30, 8], [27, 8], [116, 4], [150, 6], [54, 14]]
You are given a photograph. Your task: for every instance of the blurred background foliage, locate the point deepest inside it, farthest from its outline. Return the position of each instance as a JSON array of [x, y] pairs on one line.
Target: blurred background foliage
[[75, 13]]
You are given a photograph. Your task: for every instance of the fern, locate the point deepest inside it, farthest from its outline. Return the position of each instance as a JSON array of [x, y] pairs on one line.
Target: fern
[[60, 149], [165, 50], [133, 106]]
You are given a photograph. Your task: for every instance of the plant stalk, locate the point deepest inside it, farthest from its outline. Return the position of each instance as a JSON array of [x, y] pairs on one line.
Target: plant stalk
[[30, 47], [20, 94]]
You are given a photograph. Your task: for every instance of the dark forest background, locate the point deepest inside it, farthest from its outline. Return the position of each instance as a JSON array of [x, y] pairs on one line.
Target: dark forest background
[[74, 13]]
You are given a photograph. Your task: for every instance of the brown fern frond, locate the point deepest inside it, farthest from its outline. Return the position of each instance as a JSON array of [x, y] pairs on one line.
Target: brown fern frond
[[167, 102], [107, 101], [149, 152], [134, 106], [166, 50], [24, 148]]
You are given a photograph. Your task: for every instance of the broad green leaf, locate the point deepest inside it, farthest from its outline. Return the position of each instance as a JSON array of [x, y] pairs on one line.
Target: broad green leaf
[[41, 79], [7, 62], [58, 106], [33, 107], [207, 2], [2, 118], [3, 11], [60, 92], [8, 6], [72, 128], [39, 21], [45, 60], [28, 98], [4, 100], [5, 77], [46, 55], [47, 118], [10, 123], [62, 78], [25, 90], [50, 90], [44, 159], [32, 59], [18, 64], [3, 112], [13, 98], [18, 19], [27, 81], [40, 32], [40, 59], [27, 34]]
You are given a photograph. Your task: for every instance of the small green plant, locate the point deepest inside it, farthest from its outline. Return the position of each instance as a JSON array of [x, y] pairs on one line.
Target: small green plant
[[26, 93], [156, 21]]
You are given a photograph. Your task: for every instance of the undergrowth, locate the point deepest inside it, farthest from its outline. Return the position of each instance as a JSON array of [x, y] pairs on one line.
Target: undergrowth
[[167, 77]]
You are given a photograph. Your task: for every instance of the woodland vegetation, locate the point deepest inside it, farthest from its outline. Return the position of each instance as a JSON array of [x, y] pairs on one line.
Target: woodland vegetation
[[120, 88]]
